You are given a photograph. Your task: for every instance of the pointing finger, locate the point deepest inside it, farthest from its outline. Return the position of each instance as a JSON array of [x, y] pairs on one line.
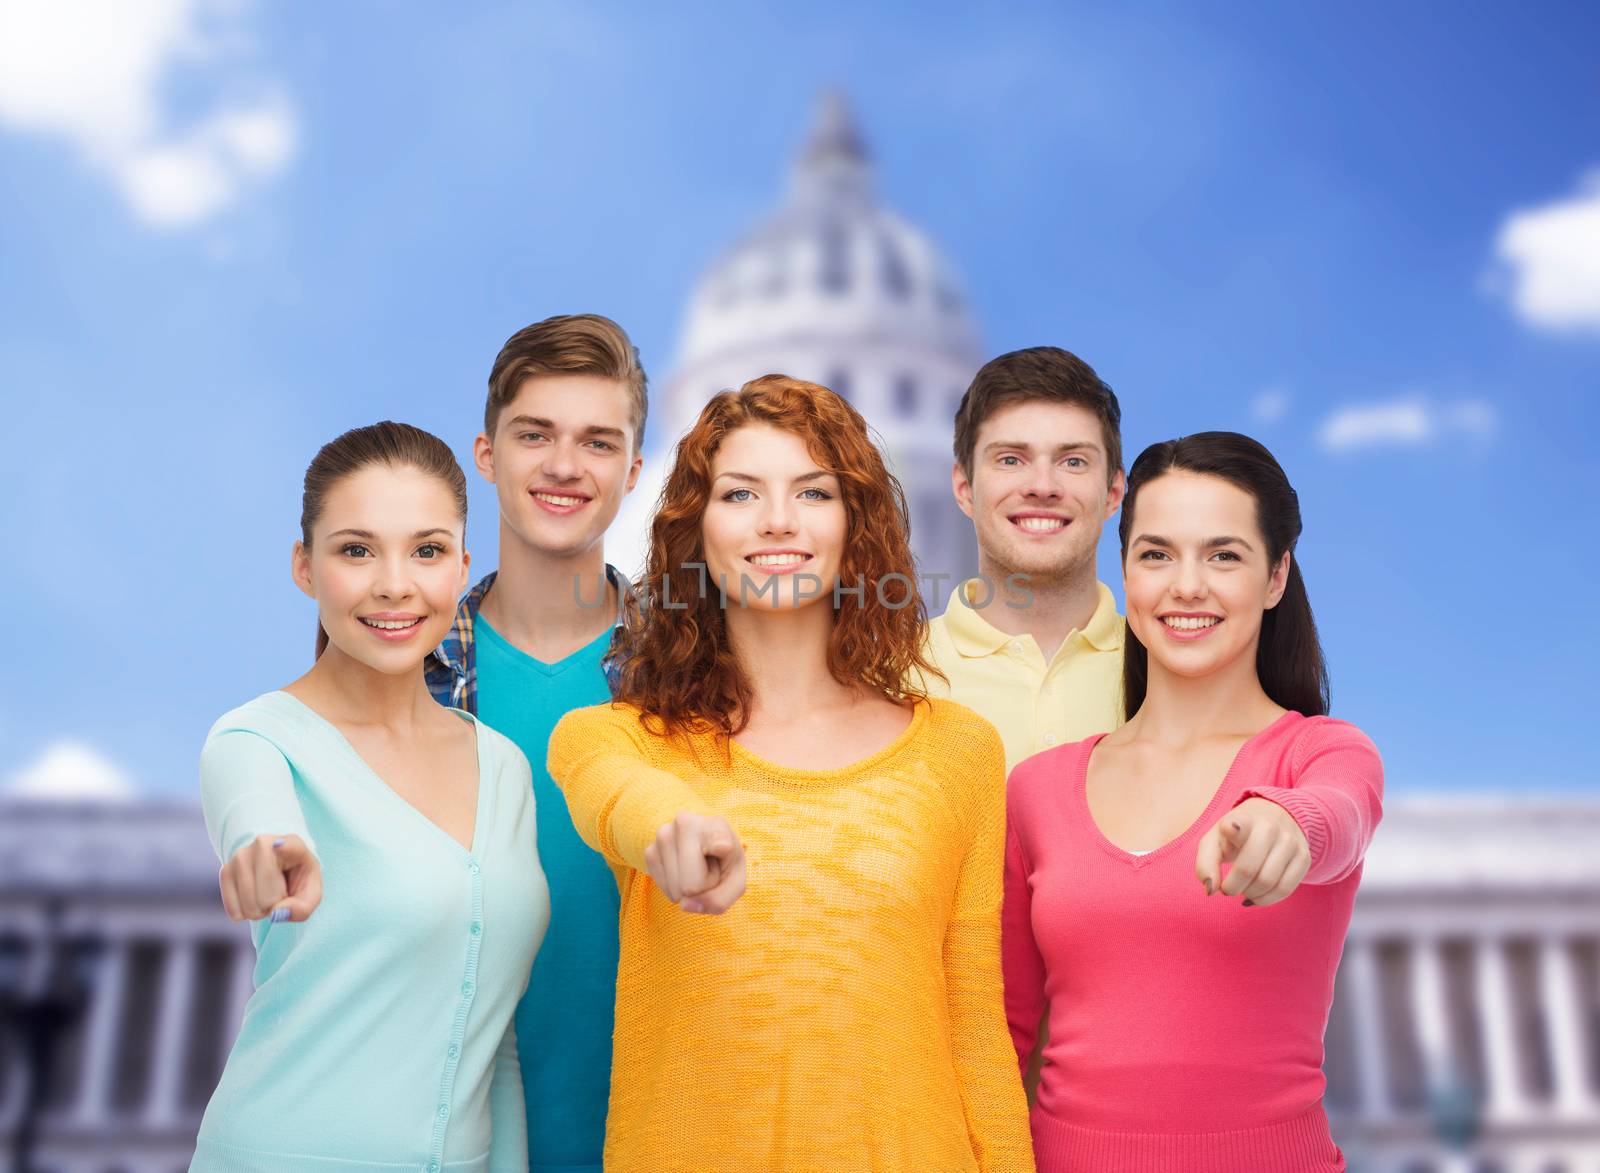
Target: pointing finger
[[1248, 859]]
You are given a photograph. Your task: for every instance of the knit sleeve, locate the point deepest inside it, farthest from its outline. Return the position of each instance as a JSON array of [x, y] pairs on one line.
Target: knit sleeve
[[1019, 952], [600, 758], [991, 1088], [246, 790], [1334, 791]]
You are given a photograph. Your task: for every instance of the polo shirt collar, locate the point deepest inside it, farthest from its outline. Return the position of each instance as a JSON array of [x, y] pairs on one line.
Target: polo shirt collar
[[973, 635]]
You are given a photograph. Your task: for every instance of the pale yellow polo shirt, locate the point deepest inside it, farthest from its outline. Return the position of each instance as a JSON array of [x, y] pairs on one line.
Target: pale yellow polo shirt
[[1004, 678]]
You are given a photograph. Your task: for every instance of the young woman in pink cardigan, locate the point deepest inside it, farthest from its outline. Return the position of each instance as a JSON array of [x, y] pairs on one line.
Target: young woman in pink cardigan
[[1177, 891]]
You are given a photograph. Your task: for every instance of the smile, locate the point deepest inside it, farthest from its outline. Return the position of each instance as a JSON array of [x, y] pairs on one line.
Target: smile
[[1040, 525], [558, 500], [392, 624], [778, 559], [1190, 622]]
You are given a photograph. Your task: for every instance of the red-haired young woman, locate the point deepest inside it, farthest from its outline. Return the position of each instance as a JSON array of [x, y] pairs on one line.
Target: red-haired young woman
[[844, 1012]]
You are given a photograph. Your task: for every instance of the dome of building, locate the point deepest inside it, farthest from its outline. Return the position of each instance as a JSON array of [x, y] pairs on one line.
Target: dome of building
[[836, 288]]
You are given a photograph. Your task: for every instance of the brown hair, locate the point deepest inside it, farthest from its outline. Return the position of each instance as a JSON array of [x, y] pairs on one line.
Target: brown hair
[[387, 443], [1038, 373], [568, 344], [675, 659]]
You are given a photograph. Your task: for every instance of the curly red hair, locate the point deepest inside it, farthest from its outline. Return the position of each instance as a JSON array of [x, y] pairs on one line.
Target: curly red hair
[[676, 663]]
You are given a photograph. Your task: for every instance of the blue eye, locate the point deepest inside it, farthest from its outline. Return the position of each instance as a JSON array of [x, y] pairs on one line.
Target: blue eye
[[733, 495], [820, 495], [1012, 459]]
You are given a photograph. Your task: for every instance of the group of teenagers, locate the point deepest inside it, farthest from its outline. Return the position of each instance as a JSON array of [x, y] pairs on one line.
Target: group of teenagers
[[753, 865]]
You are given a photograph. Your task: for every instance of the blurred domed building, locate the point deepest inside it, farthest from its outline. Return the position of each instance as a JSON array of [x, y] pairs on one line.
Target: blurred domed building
[[834, 287]]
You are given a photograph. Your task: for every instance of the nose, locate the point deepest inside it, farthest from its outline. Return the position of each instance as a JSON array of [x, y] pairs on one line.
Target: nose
[[1189, 582], [1042, 482], [393, 580], [561, 464], [778, 519]]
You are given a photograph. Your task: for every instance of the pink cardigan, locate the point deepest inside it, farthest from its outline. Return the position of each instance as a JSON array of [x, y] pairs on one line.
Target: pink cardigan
[[1185, 1031]]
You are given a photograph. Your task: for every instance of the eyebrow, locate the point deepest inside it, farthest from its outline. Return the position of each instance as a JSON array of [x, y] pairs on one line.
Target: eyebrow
[[591, 430], [1075, 446], [755, 480], [368, 535], [1215, 543]]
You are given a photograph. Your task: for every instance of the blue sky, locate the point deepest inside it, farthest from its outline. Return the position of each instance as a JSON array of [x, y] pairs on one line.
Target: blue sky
[[1362, 232]]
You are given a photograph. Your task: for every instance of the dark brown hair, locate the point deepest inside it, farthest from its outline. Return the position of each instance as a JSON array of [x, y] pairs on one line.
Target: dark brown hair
[[1289, 661], [1045, 373], [568, 344], [387, 443], [676, 662]]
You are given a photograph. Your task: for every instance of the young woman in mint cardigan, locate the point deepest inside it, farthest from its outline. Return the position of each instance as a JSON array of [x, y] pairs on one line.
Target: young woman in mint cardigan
[[384, 848], [1178, 890]]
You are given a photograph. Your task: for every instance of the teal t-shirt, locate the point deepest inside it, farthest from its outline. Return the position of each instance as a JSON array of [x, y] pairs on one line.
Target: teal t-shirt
[[564, 1021]]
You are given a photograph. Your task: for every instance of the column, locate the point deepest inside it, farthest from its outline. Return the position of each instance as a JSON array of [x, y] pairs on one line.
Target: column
[[93, 1107], [1502, 1075], [1430, 1009], [1565, 1032], [1366, 1014], [173, 1017]]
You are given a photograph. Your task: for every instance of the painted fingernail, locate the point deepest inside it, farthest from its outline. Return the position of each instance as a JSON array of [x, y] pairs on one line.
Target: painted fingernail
[[1207, 883], [1249, 904], [277, 843], [279, 915]]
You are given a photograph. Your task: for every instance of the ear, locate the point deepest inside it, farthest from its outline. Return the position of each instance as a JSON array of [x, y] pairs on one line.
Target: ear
[[466, 564], [483, 456], [633, 473], [1115, 493], [961, 486], [1279, 582], [300, 569]]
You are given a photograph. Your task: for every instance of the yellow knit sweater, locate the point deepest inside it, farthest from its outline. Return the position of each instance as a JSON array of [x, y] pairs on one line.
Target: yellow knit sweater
[[846, 1014]]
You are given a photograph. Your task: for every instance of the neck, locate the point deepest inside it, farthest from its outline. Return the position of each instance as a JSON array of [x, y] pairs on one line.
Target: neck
[[1047, 609], [1183, 710], [784, 655], [541, 600], [348, 692]]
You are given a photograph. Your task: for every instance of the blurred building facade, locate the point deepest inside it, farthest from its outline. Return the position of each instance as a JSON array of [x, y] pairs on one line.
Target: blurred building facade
[[1465, 1033]]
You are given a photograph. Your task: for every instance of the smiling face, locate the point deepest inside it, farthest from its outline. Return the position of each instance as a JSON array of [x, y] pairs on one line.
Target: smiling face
[[774, 526], [1039, 490], [562, 457], [1198, 574], [385, 565]]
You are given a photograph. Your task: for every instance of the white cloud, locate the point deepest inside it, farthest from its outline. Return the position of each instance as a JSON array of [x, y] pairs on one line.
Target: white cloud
[[69, 771], [1409, 421], [95, 74], [1551, 261], [1270, 406]]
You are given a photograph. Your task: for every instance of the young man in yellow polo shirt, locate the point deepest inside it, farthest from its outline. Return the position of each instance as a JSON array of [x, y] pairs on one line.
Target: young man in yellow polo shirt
[[1035, 642]]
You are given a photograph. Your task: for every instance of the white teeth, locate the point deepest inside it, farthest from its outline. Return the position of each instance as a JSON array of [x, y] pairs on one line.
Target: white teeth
[[1041, 525], [562, 501], [778, 559], [1189, 623], [391, 624]]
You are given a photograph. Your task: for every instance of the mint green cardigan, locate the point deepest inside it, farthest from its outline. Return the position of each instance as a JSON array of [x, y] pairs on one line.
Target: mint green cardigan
[[379, 1036]]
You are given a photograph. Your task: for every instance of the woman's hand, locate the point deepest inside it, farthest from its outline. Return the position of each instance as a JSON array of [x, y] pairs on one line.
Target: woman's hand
[[1266, 847], [698, 862], [272, 876]]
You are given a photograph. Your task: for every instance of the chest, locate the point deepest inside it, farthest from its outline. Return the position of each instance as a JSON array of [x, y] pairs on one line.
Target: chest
[[827, 743], [437, 776], [1140, 800]]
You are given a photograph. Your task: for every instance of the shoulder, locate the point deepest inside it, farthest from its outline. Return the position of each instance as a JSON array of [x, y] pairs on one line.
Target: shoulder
[[962, 747], [273, 716], [500, 752], [1319, 742], [1038, 778], [953, 722]]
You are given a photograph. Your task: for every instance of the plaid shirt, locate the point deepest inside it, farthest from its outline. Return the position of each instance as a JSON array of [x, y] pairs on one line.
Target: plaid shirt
[[452, 670]]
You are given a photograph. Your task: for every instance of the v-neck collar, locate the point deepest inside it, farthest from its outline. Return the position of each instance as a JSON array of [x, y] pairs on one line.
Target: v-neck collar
[[1201, 821], [375, 779]]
